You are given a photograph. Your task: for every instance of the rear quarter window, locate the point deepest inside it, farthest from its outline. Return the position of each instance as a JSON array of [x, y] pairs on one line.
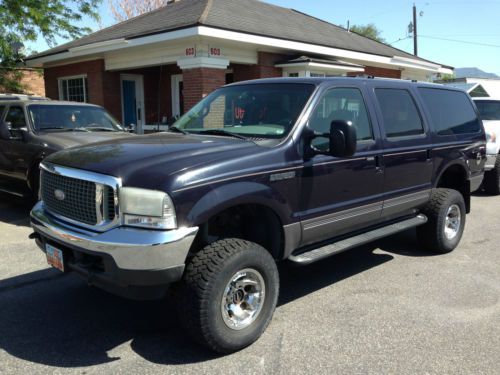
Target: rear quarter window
[[451, 112]]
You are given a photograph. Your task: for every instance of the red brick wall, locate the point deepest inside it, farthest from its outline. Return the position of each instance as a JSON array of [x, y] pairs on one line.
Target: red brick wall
[[31, 80], [264, 69], [105, 88], [95, 74], [379, 72], [199, 82]]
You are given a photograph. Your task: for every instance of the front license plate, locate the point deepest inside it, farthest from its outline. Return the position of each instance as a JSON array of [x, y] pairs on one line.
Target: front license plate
[[54, 257]]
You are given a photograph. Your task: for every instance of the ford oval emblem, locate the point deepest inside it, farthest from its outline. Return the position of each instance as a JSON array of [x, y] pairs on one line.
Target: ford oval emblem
[[59, 194]]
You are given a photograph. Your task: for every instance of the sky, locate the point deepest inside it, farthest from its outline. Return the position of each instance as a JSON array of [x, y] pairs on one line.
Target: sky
[[458, 33]]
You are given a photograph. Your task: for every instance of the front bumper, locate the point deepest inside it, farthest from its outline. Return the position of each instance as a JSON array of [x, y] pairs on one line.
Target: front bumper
[[120, 258]]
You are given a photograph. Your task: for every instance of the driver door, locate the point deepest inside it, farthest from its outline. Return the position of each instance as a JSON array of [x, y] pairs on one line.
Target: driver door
[[14, 152], [339, 195]]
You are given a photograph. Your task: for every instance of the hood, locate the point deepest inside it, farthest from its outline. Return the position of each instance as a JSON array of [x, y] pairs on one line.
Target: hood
[[150, 159], [63, 140]]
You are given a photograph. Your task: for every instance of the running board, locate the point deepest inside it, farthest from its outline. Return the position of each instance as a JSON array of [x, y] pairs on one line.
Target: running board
[[337, 247], [6, 191]]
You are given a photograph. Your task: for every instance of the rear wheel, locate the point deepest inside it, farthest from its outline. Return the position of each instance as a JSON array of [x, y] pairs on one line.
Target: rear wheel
[[228, 294], [491, 182], [446, 221]]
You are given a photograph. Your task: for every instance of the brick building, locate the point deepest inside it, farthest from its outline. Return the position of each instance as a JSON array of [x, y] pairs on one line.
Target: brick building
[[31, 79], [158, 65]]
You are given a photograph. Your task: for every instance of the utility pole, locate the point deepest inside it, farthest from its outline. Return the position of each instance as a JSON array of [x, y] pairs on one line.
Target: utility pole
[[415, 49]]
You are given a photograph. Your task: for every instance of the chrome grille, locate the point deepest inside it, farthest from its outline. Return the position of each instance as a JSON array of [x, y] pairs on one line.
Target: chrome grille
[[110, 204], [79, 203]]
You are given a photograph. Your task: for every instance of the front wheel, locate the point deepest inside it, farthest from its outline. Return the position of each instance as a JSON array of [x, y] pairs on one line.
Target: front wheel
[[228, 294], [446, 221]]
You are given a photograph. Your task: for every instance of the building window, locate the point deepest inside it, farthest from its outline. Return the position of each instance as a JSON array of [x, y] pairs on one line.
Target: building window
[[74, 89], [293, 74], [320, 75]]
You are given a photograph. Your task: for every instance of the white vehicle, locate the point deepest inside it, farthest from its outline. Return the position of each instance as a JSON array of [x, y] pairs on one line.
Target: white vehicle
[[489, 109]]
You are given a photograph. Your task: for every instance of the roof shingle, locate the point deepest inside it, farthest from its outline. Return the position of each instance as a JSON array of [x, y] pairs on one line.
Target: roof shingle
[[248, 16]]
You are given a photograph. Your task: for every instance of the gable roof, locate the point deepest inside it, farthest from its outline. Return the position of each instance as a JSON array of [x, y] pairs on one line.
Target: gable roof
[[247, 16]]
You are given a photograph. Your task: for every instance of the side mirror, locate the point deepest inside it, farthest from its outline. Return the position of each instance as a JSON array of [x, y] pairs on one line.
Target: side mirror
[[343, 139], [5, 130]]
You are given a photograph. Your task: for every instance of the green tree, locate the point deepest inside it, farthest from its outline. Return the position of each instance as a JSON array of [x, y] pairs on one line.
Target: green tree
[[22, 21], [370, 31]]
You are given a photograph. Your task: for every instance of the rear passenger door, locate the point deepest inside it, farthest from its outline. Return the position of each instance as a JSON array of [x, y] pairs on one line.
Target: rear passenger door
[[406, 157]]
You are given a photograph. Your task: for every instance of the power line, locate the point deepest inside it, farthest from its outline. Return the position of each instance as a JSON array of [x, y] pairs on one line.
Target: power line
[[460, 41], [400, 39]]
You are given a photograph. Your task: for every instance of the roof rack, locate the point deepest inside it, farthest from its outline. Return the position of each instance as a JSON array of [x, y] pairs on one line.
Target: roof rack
[[11, 96]]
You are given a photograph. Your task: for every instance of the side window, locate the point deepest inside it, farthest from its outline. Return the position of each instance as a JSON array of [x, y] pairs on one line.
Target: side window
[[2, 107], [341, 104], [451, 111], [399, 112], [16, 117]]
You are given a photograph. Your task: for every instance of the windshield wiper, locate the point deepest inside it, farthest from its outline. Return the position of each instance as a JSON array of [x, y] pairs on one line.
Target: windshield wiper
[[52, 128], [222, 132], [64, 129], [100, 128], [175, 129]]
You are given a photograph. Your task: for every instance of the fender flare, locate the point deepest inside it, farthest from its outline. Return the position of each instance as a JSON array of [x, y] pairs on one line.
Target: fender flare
[[236, 194], [460, 162]]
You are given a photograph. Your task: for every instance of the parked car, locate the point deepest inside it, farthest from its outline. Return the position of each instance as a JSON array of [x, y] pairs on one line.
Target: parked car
[[489, 110], [32, 128], [259, 172]]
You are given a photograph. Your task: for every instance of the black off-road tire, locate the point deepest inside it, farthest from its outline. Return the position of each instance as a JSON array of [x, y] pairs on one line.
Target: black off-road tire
[[199, 295], [431, 235], [491, 182]]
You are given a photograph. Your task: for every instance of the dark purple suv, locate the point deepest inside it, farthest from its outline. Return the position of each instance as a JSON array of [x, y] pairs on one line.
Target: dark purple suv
[[259, 172]]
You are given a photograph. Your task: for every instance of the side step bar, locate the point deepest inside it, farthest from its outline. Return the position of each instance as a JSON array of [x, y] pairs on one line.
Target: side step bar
[[337, 247]]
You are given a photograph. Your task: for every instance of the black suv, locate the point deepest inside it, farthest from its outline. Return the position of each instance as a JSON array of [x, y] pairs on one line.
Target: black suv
[[258, 172], [32, 128]]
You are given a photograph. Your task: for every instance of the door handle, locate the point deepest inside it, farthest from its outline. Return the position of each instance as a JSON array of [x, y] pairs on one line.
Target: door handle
[[379, 164], [138, 114]]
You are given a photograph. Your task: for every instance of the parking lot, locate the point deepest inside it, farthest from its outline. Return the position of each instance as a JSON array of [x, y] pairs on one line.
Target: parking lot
[[383, 308]]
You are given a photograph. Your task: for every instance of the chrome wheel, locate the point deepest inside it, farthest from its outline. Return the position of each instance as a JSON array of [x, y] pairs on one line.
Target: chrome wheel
[[453, 221], [243, 299]]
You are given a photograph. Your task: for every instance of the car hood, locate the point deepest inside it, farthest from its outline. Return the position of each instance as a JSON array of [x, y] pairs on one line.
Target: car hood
[[150, 160], [72, 139]]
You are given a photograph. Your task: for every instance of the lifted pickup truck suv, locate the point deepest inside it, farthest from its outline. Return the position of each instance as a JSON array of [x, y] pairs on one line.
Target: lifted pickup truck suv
[[489, 111], [258, 172], [33, 127]]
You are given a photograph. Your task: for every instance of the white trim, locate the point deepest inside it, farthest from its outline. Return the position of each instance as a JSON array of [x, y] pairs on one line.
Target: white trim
[[240, 37], [175, 79], [93, 46], [203, 62], [65, 78], [139, 99], [304, 47], [322, 66]]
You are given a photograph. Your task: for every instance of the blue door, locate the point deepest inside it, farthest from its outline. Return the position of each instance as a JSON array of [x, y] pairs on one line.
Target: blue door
[[129, 103]]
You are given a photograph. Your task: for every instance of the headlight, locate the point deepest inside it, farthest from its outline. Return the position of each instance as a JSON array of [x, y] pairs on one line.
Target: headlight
[[147, 208]]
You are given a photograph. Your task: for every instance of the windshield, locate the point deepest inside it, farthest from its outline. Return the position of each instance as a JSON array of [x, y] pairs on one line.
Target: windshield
[[254, 111], [488, 109], [72, 118]]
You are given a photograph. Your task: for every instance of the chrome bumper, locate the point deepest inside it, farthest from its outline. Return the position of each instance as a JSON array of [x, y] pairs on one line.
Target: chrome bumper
[[131, 249], [490, 162]]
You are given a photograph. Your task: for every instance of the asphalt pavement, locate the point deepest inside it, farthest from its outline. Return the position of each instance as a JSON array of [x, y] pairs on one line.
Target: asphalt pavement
[[387, 308]]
